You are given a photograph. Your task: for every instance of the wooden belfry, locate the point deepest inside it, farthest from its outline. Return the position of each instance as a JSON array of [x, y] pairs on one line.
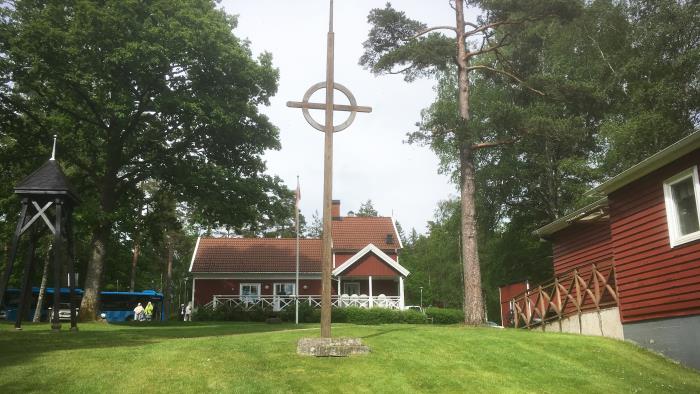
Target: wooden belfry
[[45, 193]]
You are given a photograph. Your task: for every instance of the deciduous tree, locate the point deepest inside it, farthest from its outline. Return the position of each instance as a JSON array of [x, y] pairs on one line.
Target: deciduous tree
[[138, 90]]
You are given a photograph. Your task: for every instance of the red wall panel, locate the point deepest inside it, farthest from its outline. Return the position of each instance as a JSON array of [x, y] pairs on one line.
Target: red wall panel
[[206, 289], [580, 245], [654, 280]]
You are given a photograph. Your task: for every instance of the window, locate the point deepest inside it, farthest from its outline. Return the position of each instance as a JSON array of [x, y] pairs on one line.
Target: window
[[351, 288], [682, 193], [250, 291]]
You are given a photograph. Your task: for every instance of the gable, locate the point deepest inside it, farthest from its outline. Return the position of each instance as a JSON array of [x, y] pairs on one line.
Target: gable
[[369, 259], [370, 264]]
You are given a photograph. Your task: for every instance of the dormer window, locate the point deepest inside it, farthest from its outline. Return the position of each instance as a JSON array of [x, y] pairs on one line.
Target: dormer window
[[682, 197]]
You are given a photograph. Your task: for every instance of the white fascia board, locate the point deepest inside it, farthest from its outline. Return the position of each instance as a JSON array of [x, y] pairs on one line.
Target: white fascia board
[[396, 232], [194, 254], [371, 248]]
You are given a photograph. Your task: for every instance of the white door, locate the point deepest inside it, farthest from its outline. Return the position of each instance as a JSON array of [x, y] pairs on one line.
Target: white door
[[282, 295]]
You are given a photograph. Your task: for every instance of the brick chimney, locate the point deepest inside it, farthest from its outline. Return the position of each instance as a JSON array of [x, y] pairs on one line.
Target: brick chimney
[[335, 209]]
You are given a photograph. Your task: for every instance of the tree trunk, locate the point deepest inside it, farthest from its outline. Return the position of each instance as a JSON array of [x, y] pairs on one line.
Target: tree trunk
[[93, 279], [168, 290], [473, 302], [42, 288], [102, 232], [134, 261]]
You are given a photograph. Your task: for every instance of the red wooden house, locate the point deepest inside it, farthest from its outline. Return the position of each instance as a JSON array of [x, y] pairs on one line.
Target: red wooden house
[[261, 271], [628, 265]]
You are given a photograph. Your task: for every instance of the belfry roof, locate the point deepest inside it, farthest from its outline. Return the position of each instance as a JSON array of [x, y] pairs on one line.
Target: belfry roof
[[47, 179]]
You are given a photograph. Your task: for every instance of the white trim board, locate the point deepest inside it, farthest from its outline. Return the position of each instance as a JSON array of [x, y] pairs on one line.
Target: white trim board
[[194, 254], [398, 236], [367, 249]]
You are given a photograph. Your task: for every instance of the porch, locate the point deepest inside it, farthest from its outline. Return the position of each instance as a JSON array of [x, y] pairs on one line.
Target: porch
[[280, 303]]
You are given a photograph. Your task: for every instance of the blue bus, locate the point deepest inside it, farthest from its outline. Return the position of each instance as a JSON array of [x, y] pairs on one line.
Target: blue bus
[[116, 306], [119, 305], [9, 310]]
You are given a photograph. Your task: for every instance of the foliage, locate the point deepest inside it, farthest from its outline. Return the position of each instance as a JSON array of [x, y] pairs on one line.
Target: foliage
[[434, 261], [315, 229], [367, 210], [608, 81], [229, 312], [258, 357], [307, 314], [157, 91]]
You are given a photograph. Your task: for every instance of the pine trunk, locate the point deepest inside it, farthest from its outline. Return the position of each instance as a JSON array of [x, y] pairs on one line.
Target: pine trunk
[[134, 262], [473, 302], [167, 296], [42, 288]]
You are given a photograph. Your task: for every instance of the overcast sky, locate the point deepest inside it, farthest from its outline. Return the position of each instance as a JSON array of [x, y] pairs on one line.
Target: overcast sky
[[371, 161]]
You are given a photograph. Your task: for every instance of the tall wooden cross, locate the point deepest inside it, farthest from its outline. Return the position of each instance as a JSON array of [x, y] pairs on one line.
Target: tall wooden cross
[[328, 128]]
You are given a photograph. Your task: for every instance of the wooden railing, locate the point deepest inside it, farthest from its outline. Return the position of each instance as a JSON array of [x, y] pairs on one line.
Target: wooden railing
[[579, 291], [279, 303]]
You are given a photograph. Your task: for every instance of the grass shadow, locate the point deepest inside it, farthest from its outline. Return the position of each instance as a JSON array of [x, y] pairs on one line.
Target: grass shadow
[[36, 339], [387, 331]]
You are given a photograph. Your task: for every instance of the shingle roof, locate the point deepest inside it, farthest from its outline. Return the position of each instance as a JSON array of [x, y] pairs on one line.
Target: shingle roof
[[47, 179], [354, 233], [279, 254], [256, 255]]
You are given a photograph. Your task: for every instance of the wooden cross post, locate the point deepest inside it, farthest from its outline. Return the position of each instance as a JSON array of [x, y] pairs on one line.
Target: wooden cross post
[[328, 129]]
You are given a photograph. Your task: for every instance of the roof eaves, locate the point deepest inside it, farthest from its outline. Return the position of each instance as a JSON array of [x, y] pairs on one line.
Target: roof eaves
[[654, 162], [565, 221]]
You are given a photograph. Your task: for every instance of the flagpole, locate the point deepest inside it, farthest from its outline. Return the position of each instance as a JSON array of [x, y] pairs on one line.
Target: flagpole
[[296, 286]]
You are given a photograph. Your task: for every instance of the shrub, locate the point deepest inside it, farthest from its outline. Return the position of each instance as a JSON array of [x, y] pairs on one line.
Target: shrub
[[229, 312], [307, 314], [445, 316]]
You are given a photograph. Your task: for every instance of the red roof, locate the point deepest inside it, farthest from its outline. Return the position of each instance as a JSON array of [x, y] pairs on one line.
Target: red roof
[[279, 254], [256, 255], [354, 233]]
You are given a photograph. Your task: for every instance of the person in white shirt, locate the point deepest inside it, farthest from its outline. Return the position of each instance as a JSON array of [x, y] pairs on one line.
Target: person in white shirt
[[188, 312], [138, 312]]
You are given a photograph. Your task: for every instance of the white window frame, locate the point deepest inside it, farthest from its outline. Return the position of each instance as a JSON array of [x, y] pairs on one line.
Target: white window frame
[[248, 297], [675, 237], [274, 288]]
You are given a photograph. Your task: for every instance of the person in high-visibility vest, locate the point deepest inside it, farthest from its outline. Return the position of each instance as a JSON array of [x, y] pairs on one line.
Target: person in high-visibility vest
[[149, 311]]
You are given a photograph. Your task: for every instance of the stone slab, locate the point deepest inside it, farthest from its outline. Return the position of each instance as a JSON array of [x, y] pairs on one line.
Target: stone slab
[[331, 347]]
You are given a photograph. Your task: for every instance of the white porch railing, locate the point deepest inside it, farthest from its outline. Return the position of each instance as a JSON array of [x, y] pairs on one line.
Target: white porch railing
[[279, 303]]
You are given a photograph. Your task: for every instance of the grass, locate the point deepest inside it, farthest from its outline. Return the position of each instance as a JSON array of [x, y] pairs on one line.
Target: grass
[[253, 357]]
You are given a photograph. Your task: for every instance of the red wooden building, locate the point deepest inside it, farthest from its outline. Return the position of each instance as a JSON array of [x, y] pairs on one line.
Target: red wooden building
[[254, 271], [628, 265]]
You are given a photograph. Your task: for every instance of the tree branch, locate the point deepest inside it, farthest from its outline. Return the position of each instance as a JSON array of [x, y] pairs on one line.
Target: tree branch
[[400, 71], [420, 33], [491, 144], [482, 50], [506, 73], [488, 26]]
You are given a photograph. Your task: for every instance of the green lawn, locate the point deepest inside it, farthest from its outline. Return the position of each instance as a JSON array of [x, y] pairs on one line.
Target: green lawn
[[250, 357]]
